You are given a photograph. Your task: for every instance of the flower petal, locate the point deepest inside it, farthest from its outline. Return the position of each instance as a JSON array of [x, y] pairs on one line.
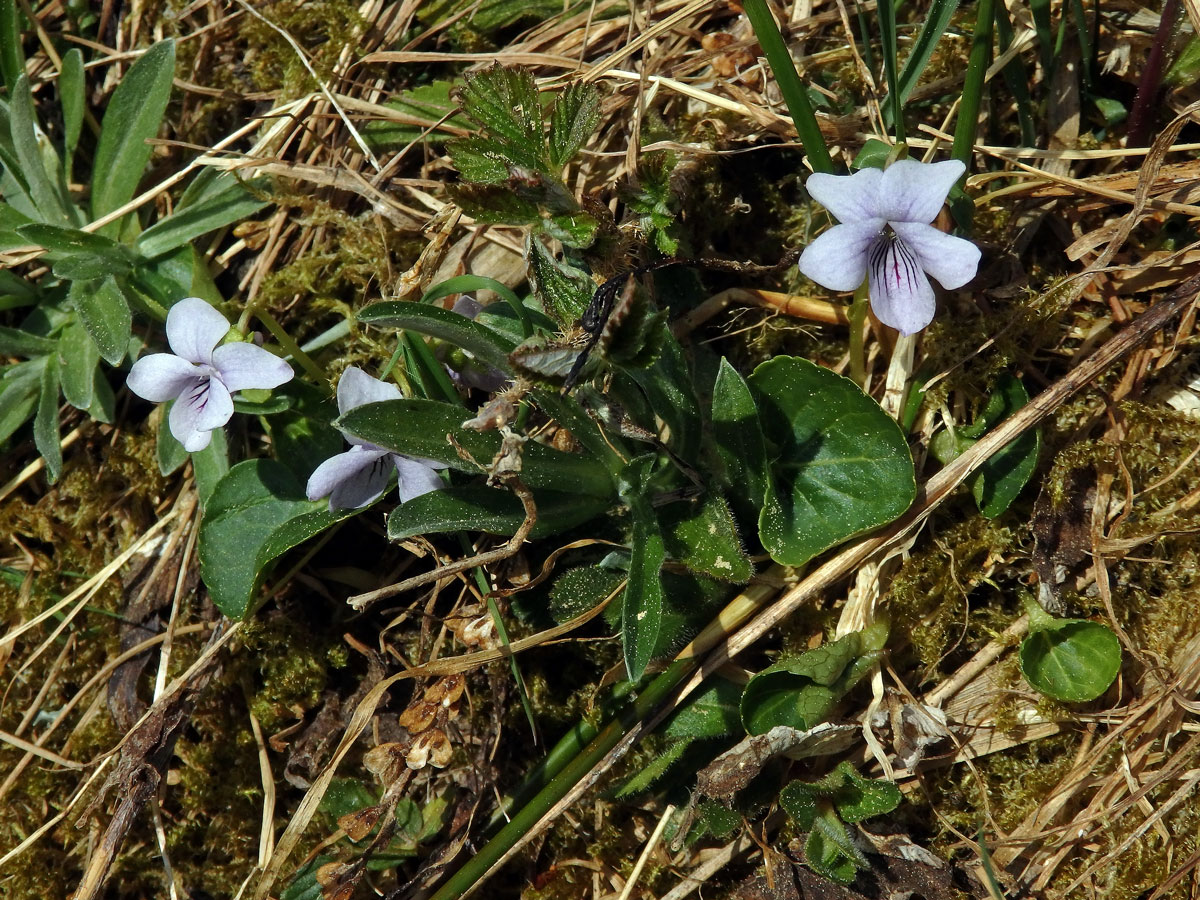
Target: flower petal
[[851, 198], [356, 388], [953, 261], [416, 477], [203, 405], [351, 479], [914, 191], [243, 366], [837, 259], [194, 328], [901, 295], [467, 305], [161, 376]]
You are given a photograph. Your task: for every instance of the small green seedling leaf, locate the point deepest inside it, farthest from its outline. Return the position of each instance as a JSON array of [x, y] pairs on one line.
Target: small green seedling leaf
[[800, 692], [704, 538], [564, 290], [841, 464], [998, 481], [132, 118], [642, 612], [1073, 660], [823, 807], [830, 850]]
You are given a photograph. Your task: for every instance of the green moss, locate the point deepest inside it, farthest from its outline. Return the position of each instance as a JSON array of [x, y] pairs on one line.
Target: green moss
[[290, 664], [931, 596]]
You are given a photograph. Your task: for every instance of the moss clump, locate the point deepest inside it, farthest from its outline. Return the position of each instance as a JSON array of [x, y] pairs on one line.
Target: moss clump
[[291, 665], [326, 30], [932, 599]]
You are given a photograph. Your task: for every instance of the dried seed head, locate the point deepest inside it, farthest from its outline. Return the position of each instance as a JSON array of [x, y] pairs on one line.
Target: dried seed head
[[431, 747], [446, 691], [419, 716], [480, 633], [387, 761], [358, 825]]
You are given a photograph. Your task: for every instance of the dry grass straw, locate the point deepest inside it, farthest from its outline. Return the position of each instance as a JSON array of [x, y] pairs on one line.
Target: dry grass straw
[[648, 57]]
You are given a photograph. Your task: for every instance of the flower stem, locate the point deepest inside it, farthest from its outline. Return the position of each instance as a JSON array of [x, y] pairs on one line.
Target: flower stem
[[858, 316], [790, 85], [290, 346], [887, 37]]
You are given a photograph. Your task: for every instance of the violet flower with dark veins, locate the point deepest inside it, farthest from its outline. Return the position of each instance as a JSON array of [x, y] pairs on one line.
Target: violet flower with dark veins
[[360, 475], [201, 376], [885, 235]]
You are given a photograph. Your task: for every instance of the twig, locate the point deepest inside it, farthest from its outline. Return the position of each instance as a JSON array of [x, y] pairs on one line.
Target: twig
[[505, 551]]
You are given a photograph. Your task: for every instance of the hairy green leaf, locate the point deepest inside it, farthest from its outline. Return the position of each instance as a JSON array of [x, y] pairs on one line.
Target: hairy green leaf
[[105, 314], [132, 118], [45, 422], [225, 201], [564, 290], [27, 146], [78, 358], [72, 96], [572, 121], [486, 345]]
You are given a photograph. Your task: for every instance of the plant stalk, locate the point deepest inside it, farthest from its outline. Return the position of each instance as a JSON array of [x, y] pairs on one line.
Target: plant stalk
[[790, 85]]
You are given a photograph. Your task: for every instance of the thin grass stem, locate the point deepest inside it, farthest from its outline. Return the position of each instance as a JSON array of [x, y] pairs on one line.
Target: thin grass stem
[[977, 66], [790, 85]]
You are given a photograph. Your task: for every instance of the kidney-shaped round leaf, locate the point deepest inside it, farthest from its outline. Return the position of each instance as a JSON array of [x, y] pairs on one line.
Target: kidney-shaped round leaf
[[1073, 660], [841, 464]]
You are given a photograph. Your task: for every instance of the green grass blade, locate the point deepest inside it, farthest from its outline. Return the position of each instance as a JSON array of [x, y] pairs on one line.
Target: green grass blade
[[1016, 78], [977, 65], [1085, 42], [12, 58], [887, 35], [1045, 35], [935, 25], [790, 85], [71, 93]]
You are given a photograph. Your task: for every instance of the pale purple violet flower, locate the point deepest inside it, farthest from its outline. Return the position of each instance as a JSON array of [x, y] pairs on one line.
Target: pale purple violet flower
[[471, 373], [885, 235], [200, 376], [360, 475]]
